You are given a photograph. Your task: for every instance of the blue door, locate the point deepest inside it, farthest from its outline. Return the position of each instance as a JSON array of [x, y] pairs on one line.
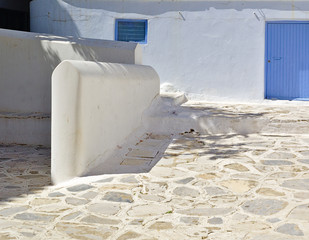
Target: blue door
[[287, 60]]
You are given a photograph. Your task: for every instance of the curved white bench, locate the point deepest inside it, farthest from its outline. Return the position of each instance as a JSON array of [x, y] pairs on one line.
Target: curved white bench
[[95, 106]]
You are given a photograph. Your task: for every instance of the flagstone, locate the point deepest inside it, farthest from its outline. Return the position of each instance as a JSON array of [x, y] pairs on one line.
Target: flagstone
[[239, 185], [76, 201], [104, 208], [237, 167], [205, 211], [186, 191], [215, 220], [264, 206], [290, 229], [79, 188], [160, 225], [269, 192], [99, 220], [205, 187], [35, 217], [281, 155], [149, 210], [190, 220], [300, 212], [129, 235], [185, 180], [12, 210], [276, 162], [299, 184], [118, 197]]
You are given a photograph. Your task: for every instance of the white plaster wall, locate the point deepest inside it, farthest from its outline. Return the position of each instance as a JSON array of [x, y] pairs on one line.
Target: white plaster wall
[[28, 59], [209, 49], [95, 106]]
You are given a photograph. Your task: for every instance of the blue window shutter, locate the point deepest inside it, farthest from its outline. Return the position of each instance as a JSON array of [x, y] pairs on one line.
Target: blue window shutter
[[131, 30]]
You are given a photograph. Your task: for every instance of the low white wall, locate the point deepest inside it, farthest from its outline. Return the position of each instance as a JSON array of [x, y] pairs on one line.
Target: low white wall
[[210, 49], [95, 106], [28, 59]]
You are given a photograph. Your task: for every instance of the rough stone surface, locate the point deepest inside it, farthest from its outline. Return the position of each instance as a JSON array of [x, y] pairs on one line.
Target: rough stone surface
[[130, 179], [237, 167], [290, 229], [104, 208], [215, 191], [71, 216], [273, 220], [95, 219], [185, 180], [300, 213], [301, 184], [239, 186], [277, 162], [129, 235], [250, 225], [118, 197], [13, 210], [185, 191], [249, 185], [269, 192], [109, 179], [305, 161], [302, 195], [206, 211], [281, 155], [149, 210], [34, 217], [190, 220], [79, 188], [264, 206], [56, 194], [161, 225], [215, 221], [76, 201], [78, 231]]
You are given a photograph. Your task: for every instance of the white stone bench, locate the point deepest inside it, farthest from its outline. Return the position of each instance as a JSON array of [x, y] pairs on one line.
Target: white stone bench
[[95, 106]]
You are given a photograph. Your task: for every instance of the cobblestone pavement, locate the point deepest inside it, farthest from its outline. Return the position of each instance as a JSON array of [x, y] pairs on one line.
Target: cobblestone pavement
[[222, 186]]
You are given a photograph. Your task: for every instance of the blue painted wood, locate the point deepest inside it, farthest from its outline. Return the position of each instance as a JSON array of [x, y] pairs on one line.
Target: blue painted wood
[[131, 30], [287, 60]]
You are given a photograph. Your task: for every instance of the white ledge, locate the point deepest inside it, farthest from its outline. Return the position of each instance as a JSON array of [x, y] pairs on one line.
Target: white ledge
[[95, 106]]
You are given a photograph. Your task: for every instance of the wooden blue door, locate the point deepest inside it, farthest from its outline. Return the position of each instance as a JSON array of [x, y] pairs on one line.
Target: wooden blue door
[[287, 60]]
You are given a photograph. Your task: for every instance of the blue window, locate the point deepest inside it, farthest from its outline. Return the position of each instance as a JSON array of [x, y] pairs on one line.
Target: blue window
[[131, 30]]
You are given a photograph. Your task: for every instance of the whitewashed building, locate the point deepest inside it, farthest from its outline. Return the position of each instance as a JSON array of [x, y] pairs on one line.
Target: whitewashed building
[[216, 50]]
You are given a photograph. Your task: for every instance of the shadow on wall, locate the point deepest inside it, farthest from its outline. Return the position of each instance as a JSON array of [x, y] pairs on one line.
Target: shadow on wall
[[160, 7], [53, 55], [59, 14], [55, 12]]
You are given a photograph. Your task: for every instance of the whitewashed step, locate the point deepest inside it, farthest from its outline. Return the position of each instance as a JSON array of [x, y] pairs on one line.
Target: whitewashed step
[[225, 119], [25, 128]]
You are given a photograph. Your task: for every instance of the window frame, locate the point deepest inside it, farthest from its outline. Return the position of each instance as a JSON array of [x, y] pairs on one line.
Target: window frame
[[131, 20]]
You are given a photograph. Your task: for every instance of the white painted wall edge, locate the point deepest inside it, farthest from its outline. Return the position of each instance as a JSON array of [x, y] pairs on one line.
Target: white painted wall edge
[[28, 60], [95, 107]]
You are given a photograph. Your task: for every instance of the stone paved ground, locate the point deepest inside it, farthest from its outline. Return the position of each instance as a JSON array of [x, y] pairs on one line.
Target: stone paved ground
[[200, 186]]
